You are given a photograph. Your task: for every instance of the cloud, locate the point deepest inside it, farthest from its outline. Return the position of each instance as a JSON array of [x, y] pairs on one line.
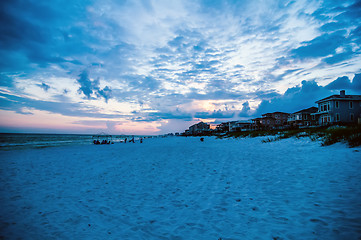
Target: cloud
[[18, 103], [345, 83], [214, 114], [156, 116], [6, 81], [321, 46], [246, 110], [44, 86], [36, 34], [294, 99], [305, 95], [174, 125], [356, 82], [89, 87], [340, 83]]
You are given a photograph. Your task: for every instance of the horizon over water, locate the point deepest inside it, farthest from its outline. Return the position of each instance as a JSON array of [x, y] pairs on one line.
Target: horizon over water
[[13, 141]]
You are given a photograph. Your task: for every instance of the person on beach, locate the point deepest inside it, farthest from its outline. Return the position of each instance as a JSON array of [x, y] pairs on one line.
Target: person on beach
[[125, 140], [141, 140], [132, 140]]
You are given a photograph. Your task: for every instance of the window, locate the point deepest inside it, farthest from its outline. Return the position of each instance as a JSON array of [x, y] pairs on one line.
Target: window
[[337, 117], [337, 104], [351, 117], [305, 117], [313, 117], [351, 104]]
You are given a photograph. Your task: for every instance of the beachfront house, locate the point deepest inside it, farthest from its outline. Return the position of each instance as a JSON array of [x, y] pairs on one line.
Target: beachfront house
[[199, 128], [222, 127], [340, 108], [233, 126], [237, 126], [303, 117], [256, 124], [274, 120]]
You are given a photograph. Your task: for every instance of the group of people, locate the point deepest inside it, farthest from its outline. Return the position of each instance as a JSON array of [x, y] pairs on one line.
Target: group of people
[[103, 142]]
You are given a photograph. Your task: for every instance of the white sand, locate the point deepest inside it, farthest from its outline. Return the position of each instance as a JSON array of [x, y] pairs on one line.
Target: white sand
[[181, 188]]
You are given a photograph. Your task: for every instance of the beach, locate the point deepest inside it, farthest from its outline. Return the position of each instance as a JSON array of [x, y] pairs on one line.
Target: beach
[[182, 188]]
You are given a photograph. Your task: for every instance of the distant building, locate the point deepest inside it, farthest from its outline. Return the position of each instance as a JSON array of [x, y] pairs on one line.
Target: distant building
[[237, 126], [303, 117], [199, 128], [256, 124], [340, 108], [273, 120], [233, 126], [222, 127]]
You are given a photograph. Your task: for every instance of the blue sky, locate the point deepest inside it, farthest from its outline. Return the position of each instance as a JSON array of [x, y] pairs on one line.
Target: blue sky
[[152, 67]]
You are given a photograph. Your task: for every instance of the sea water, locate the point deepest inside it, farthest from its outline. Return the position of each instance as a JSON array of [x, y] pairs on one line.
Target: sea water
[[10, 141]]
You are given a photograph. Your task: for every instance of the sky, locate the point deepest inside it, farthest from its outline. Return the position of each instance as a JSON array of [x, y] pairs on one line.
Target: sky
[[154, 67]]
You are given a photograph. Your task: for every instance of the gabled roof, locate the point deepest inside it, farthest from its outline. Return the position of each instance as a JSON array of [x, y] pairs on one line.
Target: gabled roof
[[275, 113], [338, 97], [307, 110]]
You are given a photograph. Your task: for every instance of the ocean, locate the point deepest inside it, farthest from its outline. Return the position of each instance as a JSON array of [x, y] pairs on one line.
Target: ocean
[[11, 141]]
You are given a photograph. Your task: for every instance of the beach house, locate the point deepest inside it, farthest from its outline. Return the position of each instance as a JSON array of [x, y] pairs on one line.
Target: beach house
[[340, 108], [233, 126], [274, 120], [237, 126], [303, 117], [199, 128]]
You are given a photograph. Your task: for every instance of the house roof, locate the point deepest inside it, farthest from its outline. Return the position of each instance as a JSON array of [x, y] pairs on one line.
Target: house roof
[[275, 113], [268, 118], [307, 110], [338, 97]]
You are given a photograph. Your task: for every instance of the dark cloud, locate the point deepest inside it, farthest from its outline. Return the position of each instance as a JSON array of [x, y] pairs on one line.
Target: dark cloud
[[321, 46], [15, 103], [246, 110], [346, 20], [345, 83], [356, 82], [6, 81], [86, 85], [106, 93], [267, 94], [44, 86], [307, 94], [156, 116], [38, 33], [340, 83], [144, 83], [214, 114], [340, 57], [89, 87], [294, 99]]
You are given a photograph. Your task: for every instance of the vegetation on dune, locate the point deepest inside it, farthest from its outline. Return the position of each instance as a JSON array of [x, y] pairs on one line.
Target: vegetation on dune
[[328, 135]]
